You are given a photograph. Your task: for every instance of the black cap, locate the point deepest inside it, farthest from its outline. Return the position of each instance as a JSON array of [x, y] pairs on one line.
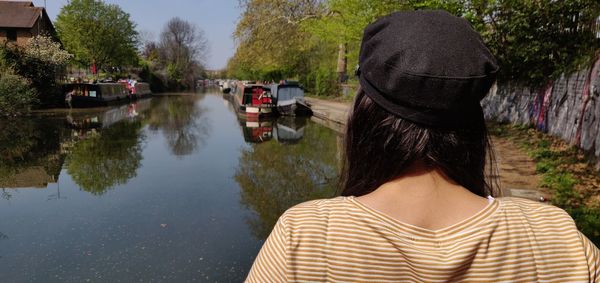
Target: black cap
[[428, 67]]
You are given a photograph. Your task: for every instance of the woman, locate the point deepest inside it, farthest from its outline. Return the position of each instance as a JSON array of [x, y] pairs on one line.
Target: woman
[[415, 204]]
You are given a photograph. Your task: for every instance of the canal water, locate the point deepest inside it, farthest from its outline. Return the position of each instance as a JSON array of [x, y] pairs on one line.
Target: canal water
[[173, 188]]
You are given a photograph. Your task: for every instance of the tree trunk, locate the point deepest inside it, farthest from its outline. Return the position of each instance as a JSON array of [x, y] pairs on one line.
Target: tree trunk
[[342, 62]]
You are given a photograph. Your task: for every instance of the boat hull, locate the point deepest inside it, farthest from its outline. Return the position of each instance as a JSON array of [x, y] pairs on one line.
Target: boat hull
[[97, 95], [294, 109]]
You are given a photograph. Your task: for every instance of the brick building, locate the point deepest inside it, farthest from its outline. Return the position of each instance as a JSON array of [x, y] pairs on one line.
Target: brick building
[[21, 20]]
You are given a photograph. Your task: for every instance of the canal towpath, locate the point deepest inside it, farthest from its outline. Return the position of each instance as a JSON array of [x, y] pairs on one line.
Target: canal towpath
[[516, 170]]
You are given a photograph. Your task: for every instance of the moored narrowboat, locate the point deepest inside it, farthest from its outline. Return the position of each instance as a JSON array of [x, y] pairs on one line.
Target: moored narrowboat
[[141, 90], [226, 88], [253, 100], [96, 94], [136, 89], [289, 99]]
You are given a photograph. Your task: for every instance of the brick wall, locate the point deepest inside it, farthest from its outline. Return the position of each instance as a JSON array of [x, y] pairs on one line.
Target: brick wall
[[23, 35], [568, 108]]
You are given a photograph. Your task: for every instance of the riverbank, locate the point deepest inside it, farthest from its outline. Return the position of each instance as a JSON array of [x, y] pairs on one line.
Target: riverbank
[[517, 174], [331, 114]]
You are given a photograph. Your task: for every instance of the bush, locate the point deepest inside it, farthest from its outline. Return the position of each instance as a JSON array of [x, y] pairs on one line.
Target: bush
[[16, 94], [321, 82], [41, 61]]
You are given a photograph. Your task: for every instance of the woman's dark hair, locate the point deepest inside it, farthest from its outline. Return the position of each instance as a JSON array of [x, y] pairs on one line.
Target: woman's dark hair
[[380, 147]]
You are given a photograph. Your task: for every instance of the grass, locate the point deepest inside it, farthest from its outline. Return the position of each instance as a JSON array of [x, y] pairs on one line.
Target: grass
[[566, 172]]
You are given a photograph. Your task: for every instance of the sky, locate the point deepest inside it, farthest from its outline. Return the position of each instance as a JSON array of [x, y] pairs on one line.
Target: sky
[[216, 17]]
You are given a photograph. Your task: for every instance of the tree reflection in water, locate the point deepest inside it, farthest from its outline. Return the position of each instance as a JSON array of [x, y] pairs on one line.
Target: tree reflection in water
[[181, 121], [275, 176], [30, 153], [107, 158]]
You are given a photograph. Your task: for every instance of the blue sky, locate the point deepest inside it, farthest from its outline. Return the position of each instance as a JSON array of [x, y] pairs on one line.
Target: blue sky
[[216, 17]]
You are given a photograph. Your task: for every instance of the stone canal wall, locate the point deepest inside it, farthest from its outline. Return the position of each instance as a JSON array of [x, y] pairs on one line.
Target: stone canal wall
[[331, 114], [568, 108]]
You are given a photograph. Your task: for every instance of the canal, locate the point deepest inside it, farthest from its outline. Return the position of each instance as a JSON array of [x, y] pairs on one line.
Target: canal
[[173, 188]]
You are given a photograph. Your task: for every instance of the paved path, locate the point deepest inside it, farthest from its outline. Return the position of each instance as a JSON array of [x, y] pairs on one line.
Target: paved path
[[331, 114], [516, 169]]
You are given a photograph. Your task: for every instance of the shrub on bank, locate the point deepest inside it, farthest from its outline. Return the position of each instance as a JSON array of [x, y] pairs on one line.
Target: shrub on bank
[[16, 94], [42, 61], [321, 82]]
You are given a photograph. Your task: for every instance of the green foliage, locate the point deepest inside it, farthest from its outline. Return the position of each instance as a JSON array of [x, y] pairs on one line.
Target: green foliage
[[345, 21], [106, 159], [29, 144], [562, 185], [176, 61], [534, 41], [559, 175], [41, 61], [274, 177], [554, 177], [182, 123], [46, 50], [322, 82], [272, 44], [587, 222], [174, 73], [148, 73], [16, 94], [97, 32]]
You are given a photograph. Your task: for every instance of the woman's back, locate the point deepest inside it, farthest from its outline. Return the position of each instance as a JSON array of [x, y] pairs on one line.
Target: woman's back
[[414, 180], [341, 239]]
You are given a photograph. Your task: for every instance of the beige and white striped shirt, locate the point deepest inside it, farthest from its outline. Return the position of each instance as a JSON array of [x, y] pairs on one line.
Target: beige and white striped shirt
[[342, 240]]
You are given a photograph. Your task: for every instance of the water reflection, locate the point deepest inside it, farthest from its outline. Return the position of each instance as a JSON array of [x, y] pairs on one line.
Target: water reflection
[[133, 209], [288, 130], [106, 158], [30, 153], [184, 124], [104, 118], [102, 147], [299, 164]]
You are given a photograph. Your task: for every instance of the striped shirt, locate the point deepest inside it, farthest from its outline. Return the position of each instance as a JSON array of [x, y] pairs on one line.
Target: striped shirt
[[342, 240]]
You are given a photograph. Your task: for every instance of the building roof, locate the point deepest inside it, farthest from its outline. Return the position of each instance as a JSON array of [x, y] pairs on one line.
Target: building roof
[[19, 14]]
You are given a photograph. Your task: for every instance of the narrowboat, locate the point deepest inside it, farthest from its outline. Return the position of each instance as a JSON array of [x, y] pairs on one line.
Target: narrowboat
[[137, 89], [253, 100], [96, 94], [289, 99], [226, 88], [141, 90]]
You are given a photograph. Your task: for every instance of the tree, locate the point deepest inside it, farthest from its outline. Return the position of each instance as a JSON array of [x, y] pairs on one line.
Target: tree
[[342, 23], [535, 41], [98, 33], [272, 44], [183, 48], [43, 61]]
